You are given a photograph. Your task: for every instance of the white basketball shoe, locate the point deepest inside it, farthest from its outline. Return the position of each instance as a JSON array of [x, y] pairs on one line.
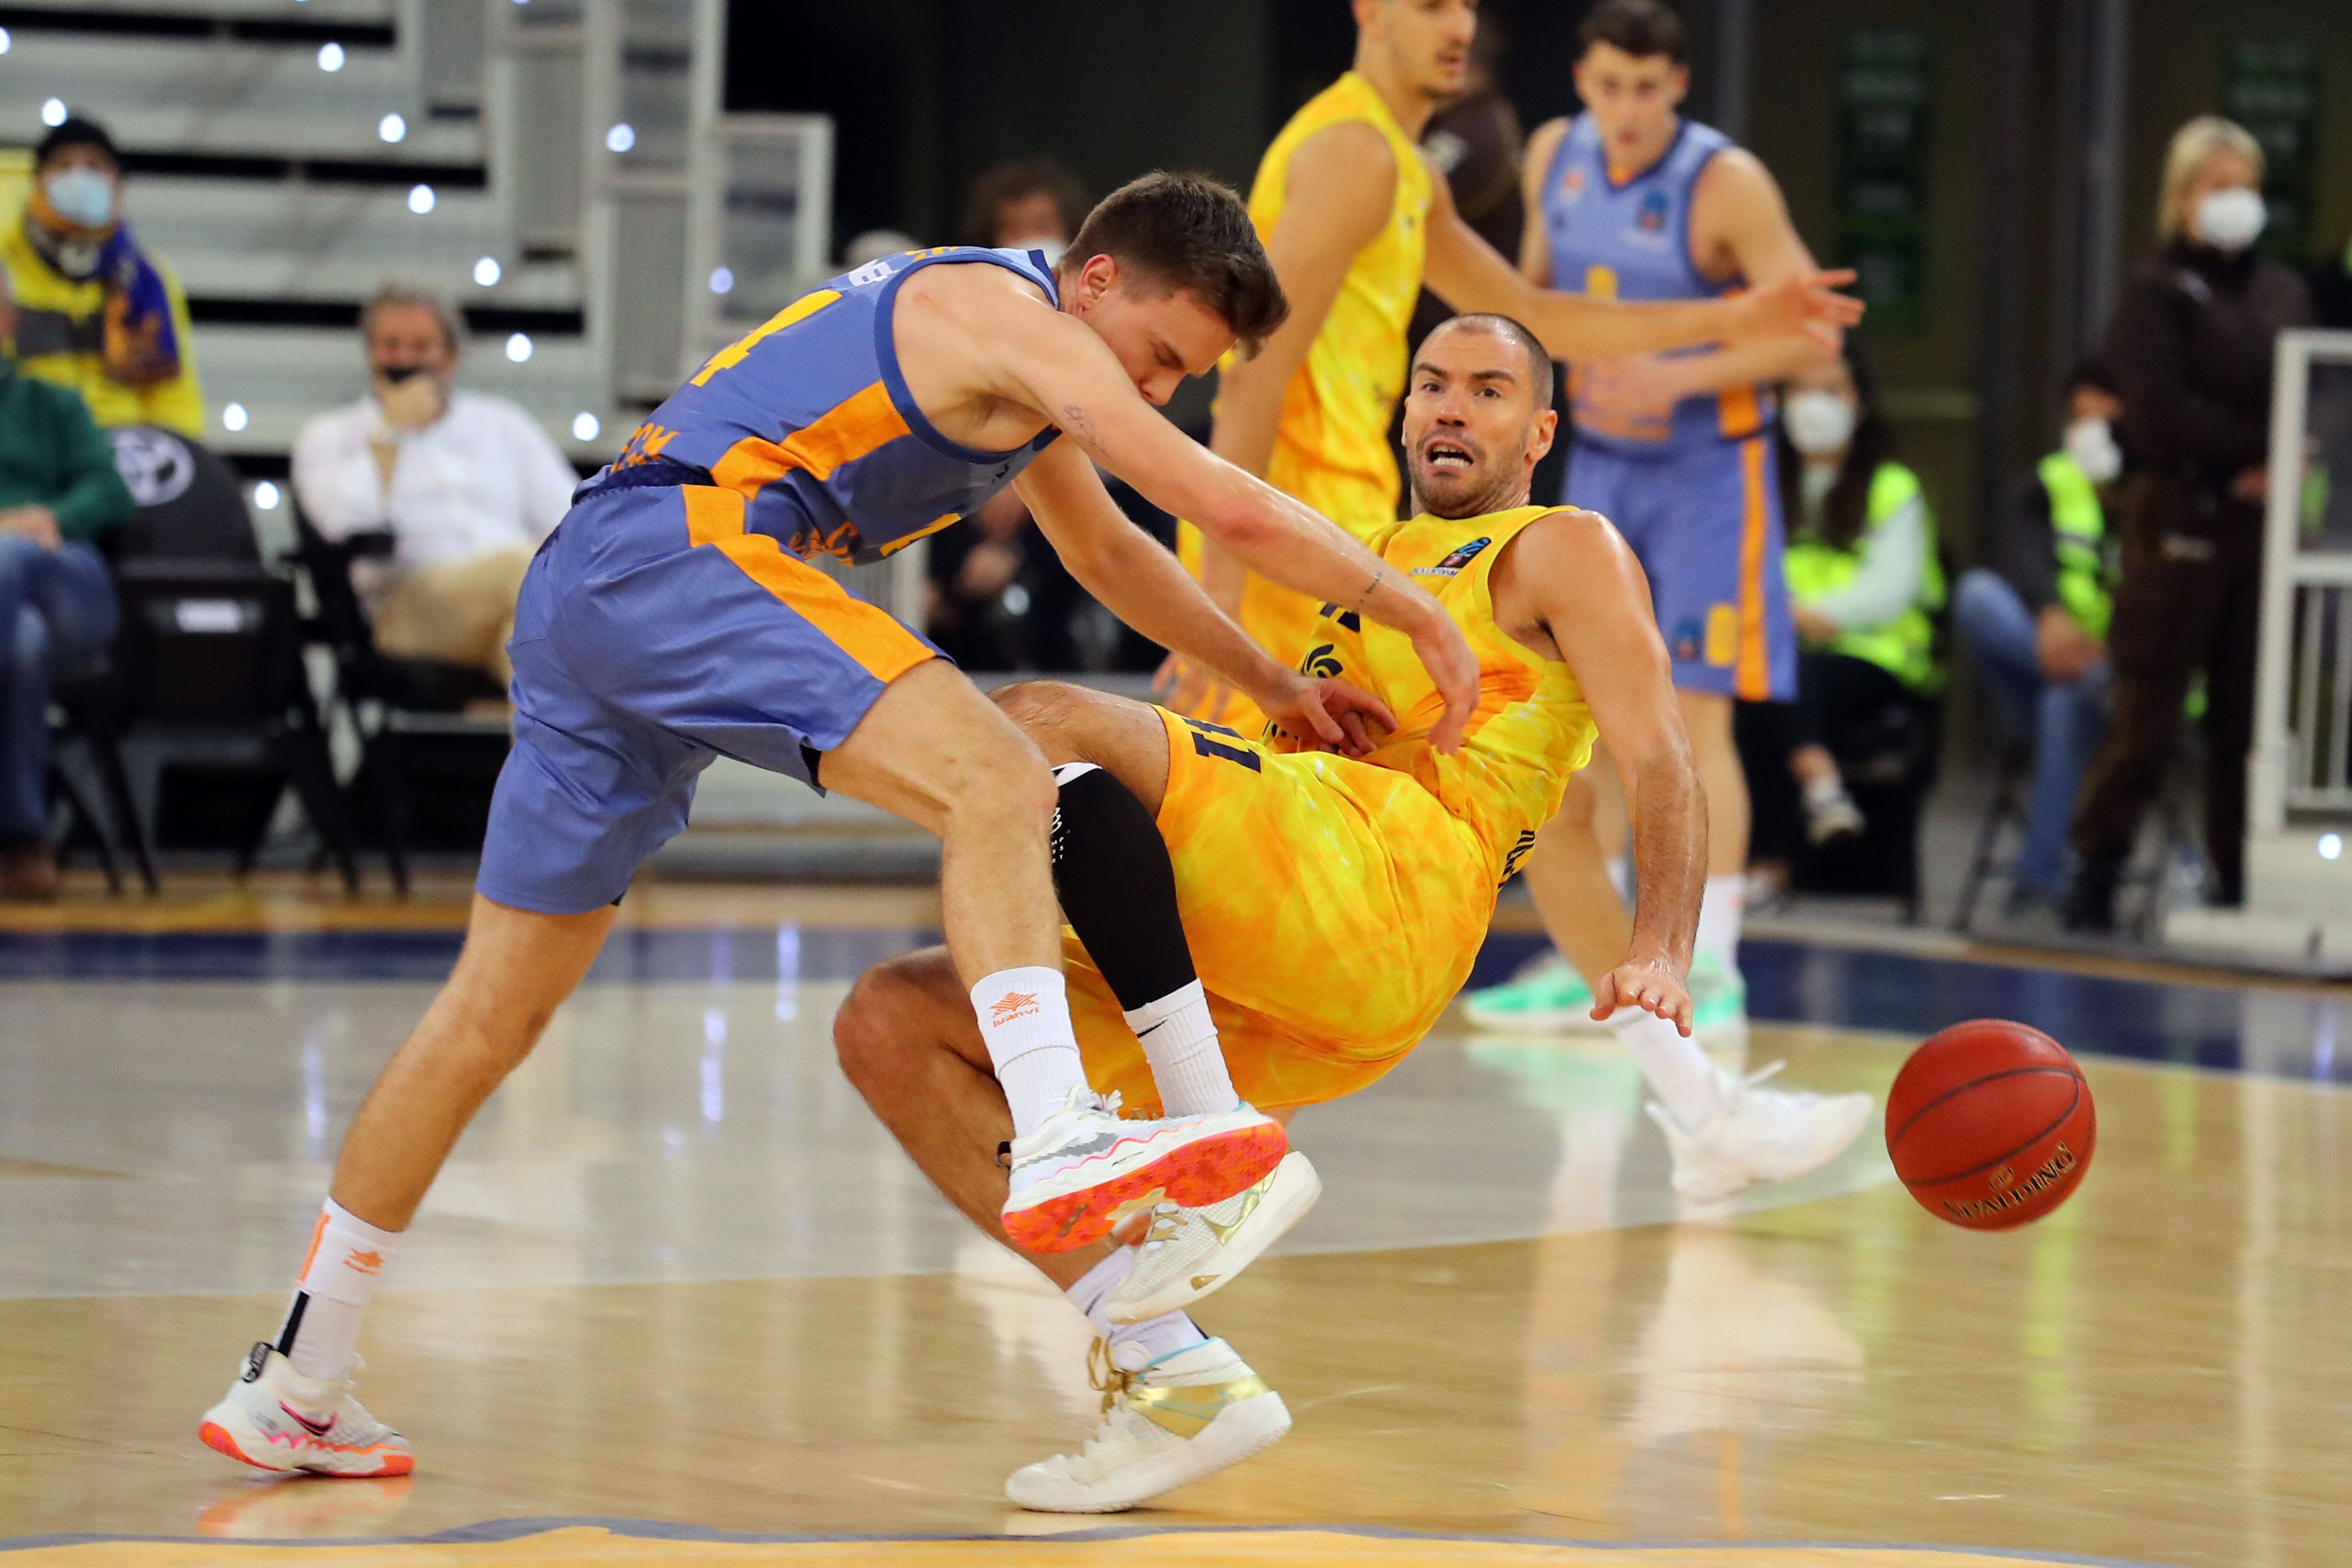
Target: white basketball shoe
[[1083, 1169], [1759, 1135], [274, 1418], [1189, 1252], [1165, 1422]]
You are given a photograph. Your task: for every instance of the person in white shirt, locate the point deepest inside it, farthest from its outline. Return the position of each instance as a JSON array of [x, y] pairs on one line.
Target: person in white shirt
[[466, 483]]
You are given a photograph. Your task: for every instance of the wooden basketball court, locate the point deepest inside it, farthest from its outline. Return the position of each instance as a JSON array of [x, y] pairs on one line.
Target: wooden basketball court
[[679, 1300]]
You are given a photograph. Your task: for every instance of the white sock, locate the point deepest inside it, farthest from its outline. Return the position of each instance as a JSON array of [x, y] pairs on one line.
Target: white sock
[[1179, 1041], [1160, 1336], [347, 1257], [1025, 1017], [1718, 920], [1677, 1071]]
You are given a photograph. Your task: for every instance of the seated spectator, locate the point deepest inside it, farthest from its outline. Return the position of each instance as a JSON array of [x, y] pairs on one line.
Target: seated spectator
[[467, 484], [2036, 627], [1864, 585], [59, 492], [94, 312], [998, 596]]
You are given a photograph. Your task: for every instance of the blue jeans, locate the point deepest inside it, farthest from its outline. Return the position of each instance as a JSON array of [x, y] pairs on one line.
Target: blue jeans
[[2064, 720], [57, 616]]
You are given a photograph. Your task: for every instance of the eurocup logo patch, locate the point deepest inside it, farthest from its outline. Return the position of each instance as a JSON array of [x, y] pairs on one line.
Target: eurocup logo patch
[[1453, 564], [1651, 218]]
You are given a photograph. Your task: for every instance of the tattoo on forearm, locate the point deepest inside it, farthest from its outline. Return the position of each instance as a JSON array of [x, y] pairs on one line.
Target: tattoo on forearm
[[1379, 576]]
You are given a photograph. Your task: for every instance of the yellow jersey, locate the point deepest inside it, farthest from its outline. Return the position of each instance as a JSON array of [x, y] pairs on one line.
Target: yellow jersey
[[1335, 904], [1331, 445], [59, 332]]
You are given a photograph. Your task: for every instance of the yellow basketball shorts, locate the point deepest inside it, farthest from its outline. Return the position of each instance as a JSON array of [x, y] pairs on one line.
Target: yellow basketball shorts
[[1333, 907]]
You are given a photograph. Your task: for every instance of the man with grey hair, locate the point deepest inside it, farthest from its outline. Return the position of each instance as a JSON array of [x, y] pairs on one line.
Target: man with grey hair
[[466, 483]]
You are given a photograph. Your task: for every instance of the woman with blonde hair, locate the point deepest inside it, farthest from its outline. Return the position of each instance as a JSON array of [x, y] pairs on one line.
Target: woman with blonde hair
[[2189, 347]]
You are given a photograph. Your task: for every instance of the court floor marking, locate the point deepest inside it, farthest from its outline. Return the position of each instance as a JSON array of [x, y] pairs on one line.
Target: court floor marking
[[1304, 1537]]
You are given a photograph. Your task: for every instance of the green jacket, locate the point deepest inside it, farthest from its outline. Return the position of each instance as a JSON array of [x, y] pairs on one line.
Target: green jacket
[[1905, 647], [53, 454], [2080, 528]]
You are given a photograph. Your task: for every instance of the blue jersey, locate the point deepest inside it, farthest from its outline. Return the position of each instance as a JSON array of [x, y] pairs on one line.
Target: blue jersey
[[1632, 242], [810, 422]]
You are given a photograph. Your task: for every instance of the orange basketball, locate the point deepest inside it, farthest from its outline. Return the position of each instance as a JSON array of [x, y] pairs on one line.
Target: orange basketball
[[1991, 1124]]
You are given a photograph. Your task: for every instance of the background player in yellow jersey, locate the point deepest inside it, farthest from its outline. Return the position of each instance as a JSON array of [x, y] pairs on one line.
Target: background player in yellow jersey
[[1355, 220], [1334, 906]]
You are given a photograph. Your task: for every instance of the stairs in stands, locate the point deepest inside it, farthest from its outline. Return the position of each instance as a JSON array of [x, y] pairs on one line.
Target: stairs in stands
[[285, 192]]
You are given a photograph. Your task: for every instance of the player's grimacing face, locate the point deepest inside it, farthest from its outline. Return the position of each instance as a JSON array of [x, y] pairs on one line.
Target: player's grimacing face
[[1159, 335], [1632, 99], [1427, 41], [1472, 430]]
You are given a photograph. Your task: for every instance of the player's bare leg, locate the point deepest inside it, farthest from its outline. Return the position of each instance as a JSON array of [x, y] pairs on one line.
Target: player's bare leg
[[1178, 1405]]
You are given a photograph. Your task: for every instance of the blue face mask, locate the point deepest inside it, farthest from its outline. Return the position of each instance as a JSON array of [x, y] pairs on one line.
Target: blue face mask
[[81, 196]]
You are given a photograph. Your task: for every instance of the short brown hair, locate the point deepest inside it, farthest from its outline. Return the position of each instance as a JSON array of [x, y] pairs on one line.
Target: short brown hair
[[1639, 28], [1190, 234], [1515, 332]]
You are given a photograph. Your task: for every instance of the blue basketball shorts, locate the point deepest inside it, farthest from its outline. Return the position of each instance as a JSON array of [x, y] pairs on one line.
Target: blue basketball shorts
[[1706, 522], [652, 635]]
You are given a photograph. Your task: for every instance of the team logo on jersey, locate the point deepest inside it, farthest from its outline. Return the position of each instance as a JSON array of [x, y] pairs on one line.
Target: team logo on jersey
[[1683, 643], [1453, 564], [1572, 186], [1651, 218]]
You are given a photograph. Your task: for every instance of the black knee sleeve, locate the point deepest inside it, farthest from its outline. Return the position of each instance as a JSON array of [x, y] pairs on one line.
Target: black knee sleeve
[[1118, 887]]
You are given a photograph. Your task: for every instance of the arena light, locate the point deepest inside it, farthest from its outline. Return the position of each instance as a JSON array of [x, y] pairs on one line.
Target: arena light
[[621, 138], [331, 58], [6, 43], [585, 426], [2331, 846], [392, 128], [266, 496], [420, 199], [234, 417], [518, 347], [53, 113], [486, 271], [722, 280]]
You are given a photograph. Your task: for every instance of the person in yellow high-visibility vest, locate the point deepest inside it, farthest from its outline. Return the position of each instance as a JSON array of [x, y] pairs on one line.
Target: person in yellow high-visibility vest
[[2035, 624], [1864, 586]]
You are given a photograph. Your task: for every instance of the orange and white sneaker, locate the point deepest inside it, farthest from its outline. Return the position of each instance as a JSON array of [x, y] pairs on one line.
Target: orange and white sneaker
[[274, 1418], [1083, 1169]]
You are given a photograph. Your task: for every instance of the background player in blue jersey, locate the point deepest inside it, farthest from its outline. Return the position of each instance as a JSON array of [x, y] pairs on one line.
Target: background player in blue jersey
[[672, 618], [1632, 201]]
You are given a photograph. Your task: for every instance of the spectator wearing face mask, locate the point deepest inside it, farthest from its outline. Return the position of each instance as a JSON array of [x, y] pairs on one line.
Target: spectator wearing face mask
[[97, 311], [2036, 626], [2190, 346], [1863, 587], [467, 484]]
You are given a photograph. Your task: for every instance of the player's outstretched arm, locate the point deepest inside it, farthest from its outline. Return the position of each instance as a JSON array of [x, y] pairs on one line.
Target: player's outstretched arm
[[1576, 576], [1148, 588], [1059, 366], [1467, 273]]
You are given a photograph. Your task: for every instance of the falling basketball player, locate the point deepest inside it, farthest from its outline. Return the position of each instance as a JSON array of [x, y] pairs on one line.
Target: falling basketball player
[[672, 618], [1333, 904]]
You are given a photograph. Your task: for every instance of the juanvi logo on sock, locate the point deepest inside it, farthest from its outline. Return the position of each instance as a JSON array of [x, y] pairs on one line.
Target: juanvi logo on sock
[[1010, 1006]]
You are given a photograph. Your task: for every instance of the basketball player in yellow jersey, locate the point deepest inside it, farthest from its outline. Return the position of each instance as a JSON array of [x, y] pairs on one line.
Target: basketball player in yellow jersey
[[1355, 220], [1333, 904]]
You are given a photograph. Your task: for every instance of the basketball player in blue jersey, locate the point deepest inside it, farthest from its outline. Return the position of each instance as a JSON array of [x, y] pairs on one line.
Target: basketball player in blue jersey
[[1630, 200], [672, 618]]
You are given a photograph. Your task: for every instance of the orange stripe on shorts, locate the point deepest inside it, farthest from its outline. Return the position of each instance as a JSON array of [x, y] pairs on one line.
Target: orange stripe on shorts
[[711, 514], [884, 648], [1751, 678]]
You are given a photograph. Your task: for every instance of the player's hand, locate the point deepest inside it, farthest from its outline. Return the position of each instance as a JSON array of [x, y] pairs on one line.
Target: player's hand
[[1327, 714], [1808, 302], [35, 523], [1634, 386], [1652, 984], [1454, 671]]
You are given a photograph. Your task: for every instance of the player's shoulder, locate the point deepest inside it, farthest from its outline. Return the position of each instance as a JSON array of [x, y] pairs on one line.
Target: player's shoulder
[[1545, 139], [1567, 541], [1344, 147], [1733, 171]]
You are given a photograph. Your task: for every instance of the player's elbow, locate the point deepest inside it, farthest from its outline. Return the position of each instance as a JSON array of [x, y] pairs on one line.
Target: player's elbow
[[1240, 525]]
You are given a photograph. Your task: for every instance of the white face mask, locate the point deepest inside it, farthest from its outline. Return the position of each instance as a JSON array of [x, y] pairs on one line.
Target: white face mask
[[2092, 444], [1820, 423], [81, 196], [2231, 220]]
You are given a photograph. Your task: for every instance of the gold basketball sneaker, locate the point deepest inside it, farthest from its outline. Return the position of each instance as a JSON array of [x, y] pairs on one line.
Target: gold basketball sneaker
[[1165, 1422], [1189, 1252], [274, 1418]]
